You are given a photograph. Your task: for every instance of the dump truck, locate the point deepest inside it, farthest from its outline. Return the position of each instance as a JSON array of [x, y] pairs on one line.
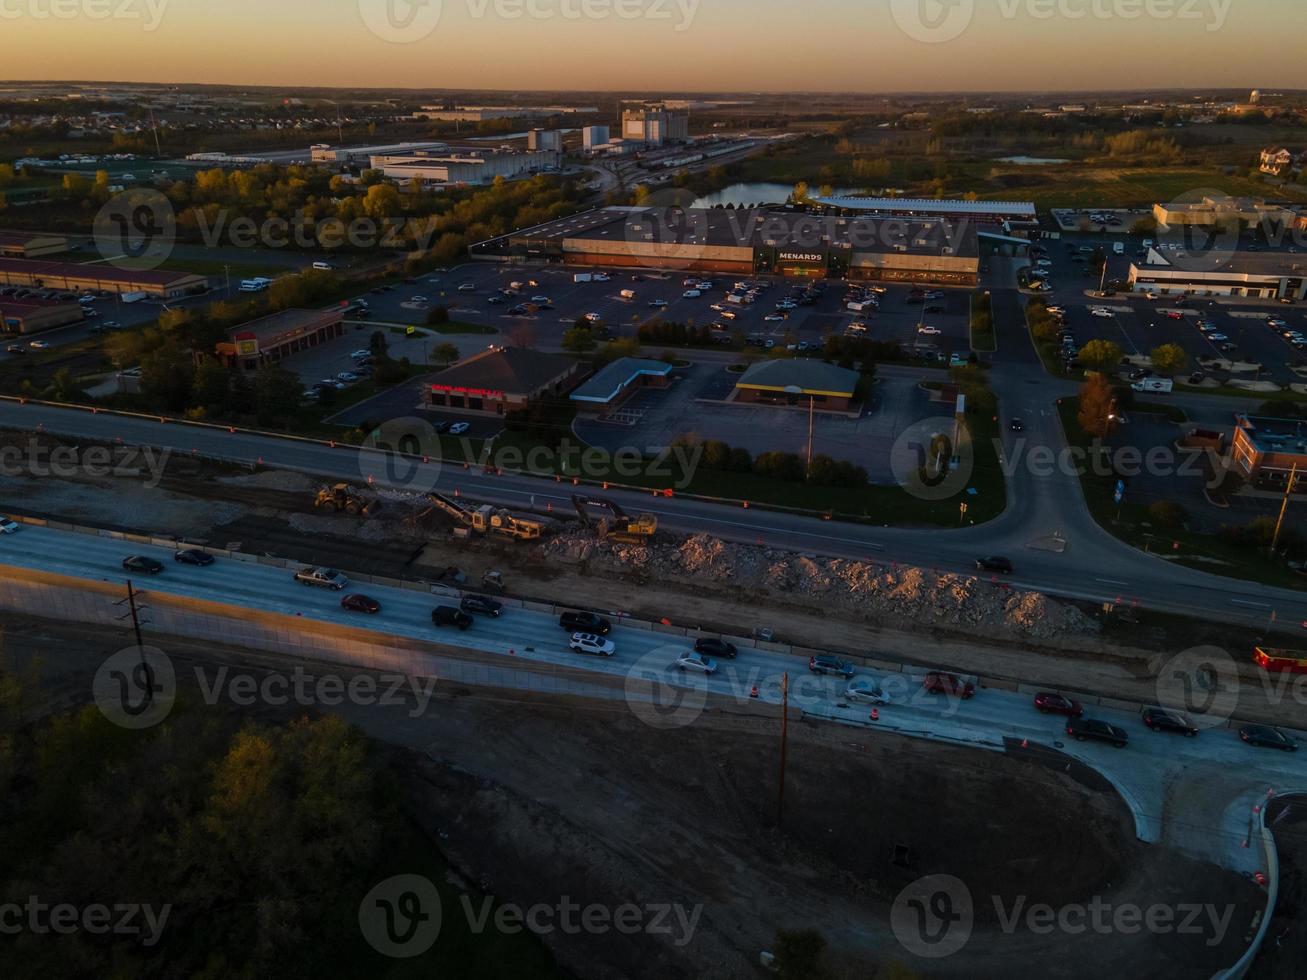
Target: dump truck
[[487, 519], [342, 499], [621, 526]]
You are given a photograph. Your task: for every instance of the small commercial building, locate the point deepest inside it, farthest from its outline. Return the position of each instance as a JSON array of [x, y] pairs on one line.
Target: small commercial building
[[33, 315], [1259, 275], [1221, 211], [798, 382], [1265, 452], [274, 337], [26, 245], [502, 380], [78, 278], [616, 382]]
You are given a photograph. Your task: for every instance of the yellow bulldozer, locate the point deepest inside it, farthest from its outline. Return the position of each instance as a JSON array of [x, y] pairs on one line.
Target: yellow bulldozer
[[343, 500]]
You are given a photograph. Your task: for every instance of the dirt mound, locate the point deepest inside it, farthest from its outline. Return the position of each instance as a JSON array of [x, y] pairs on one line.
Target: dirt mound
[[874, 591]]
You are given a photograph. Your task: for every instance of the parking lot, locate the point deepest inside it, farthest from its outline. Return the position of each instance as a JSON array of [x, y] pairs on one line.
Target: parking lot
[[1227, 338]]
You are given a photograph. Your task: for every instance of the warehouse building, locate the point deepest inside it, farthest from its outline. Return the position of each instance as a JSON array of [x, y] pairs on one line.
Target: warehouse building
[[1260, 275], [275, 337], [1220, 211], [616, 382], [502, 380], [752, 242], [325, 153], [1266, 451], [1020, 213], [798, 382], [24, 245], [78, 278], [545, 139], [33, 315], [474, 167]]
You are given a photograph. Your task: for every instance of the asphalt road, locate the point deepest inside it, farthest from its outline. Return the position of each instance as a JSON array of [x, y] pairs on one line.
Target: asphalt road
[[1146, 772]]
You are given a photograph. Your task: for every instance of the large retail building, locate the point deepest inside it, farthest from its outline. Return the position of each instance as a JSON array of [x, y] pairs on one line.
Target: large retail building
[[752, 242]]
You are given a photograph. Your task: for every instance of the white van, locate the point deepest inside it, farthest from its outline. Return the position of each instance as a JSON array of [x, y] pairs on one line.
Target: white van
[[323, 266], [691, 294]]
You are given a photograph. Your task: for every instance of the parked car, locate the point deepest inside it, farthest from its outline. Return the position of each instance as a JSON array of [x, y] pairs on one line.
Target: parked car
[[696, 661], [327, 578], [449, 616], [942, 682], [1166, 720], [823, 664], [585, 622], [8, 526], [592, 645], [193, 556], [484, 605], [715, 648], [458, 428], [139, 563], [994, 563], [467, 287], [1267, 737], [865, 692], [360, 603], [1100, 731], [1058, 704], [1016, 425]]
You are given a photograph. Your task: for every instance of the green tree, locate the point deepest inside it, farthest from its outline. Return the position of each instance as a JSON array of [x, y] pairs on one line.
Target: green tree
[[212, 384], [800, 955], [1169, 359], [277, 394], [445, 353], [579, 340], [167, 373], [1101, 355]]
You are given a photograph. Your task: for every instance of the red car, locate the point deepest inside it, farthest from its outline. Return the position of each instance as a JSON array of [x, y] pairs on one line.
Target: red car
[[360, 603], [1056, 704], [1174, 315], [938, 682]]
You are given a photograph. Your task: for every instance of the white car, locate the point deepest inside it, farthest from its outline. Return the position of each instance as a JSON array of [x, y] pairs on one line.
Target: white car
[[593, 318], [1217, 337], [349, 377], [360, 353], [775, 318], [458, 428], [1102, 314], [417, 299], [540, 299], [595, 646], [657, 304], [7, 526], [602, 277], [929, 331], [1152, 297], [1055, 309], [696, 661], [865, 692], [38, 345], [467, 287]]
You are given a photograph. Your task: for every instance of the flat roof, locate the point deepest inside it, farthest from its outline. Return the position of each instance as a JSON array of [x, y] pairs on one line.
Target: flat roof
[[1272, 435], [504, 370], [760, 227], [611, 380], [97, 271], [809, 376], [28, 304], [1240, 262], [28, 238], [922, 205], [282, 322]]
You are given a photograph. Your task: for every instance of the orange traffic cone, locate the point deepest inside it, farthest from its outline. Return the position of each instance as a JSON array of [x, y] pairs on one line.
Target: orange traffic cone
[[875, 714], [754, 692]]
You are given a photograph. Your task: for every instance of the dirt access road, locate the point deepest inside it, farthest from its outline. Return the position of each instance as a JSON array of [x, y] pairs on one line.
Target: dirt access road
[[536, 801]]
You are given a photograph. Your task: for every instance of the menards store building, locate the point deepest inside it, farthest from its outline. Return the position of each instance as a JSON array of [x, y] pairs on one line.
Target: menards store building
[[752, 242]]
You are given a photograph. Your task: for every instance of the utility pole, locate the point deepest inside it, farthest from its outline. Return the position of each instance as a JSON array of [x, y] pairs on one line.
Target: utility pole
[[785, 718], [1288, 489], [134, 613], [811, 411]]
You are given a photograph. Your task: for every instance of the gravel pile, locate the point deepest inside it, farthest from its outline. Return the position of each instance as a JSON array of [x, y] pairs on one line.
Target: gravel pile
[[877, 592]]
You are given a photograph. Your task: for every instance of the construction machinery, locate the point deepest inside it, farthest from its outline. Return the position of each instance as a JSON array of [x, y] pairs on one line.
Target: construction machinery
[[342, 499], [621, 526], [487, 519]]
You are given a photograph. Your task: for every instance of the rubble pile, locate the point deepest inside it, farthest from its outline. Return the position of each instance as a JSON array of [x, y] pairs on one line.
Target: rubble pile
[[882, 593]]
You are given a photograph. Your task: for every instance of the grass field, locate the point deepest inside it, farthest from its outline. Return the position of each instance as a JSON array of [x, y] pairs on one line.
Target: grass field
[[1083, 187]]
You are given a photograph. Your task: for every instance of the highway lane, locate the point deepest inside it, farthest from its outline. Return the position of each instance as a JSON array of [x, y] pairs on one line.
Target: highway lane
[[1149, 771], [1095, 567]]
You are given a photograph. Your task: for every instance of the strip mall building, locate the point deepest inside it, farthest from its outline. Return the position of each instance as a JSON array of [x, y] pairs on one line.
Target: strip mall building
[[753, 242]]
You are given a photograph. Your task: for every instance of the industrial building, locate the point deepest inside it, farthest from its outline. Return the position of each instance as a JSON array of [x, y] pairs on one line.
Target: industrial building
[[470, 167], [653, 123], [1219, 211], [798, 382], [29, 245], [73, 277], [1260, 275], [993, 212], [274, 337], [1267, 450], [34, 315], [593, 136], [545, 139], [616, 382], [502, 380], [751, 242], [357, 155]]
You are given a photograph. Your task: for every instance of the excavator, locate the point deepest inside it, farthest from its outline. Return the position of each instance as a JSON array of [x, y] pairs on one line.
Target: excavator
[[621, 526], [489, 520]]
